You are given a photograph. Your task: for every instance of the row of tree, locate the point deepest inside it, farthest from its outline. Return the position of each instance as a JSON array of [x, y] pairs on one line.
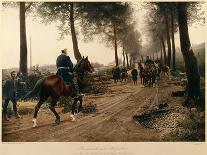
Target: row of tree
[[163, 20], [111, 22]]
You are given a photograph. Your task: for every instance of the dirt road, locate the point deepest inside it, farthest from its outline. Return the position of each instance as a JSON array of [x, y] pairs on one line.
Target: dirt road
[[112, 122]]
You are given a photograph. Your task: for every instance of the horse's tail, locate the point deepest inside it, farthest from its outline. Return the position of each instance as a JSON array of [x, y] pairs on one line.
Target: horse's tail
[[35, 90]]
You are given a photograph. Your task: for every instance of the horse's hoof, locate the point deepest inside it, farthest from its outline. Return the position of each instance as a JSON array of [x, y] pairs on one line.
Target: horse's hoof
[[34, 122], [72, 117]]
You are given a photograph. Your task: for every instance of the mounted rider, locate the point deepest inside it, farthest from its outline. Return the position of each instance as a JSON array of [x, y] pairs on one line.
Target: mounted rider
[[149, 61], [64, 66], [65, 70]]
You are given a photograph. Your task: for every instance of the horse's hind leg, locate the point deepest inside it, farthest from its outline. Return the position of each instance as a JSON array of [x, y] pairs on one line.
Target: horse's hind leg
[[37, 107], [52, 108], [80, 106], [73, 108]]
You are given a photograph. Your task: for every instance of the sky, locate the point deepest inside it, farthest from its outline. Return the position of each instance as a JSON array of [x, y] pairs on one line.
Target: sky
[[45, 46]]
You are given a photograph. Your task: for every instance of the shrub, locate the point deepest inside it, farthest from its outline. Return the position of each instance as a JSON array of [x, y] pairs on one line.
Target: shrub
[[66, 103], [89, 108]]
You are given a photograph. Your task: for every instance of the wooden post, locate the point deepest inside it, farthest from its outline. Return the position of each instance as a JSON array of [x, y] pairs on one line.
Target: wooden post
[[30, 55]]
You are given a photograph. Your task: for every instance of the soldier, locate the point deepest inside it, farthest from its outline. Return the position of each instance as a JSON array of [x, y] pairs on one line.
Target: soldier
[[148, 61], [10, 92], [116, 73], [64, 66], [20, 85], [65, 70], [134, 74]]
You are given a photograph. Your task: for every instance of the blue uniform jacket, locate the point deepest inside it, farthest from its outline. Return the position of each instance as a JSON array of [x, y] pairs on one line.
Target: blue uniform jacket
[[65, 67], [9, 90]]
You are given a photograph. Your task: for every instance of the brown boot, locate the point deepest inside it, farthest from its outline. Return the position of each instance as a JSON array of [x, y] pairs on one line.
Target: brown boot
[[5, 118]]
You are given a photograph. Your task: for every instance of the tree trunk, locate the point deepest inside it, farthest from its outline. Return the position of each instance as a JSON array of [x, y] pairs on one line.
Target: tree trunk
[[77, 54], [115, 45], [168, 39], [173, 40], [191, 66], [161, 55], [127, 59], [23, 40], [164, 51], [130, 61], [124, 63]]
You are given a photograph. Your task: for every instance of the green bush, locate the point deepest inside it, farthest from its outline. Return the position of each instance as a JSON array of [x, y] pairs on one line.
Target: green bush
[[66, 103]]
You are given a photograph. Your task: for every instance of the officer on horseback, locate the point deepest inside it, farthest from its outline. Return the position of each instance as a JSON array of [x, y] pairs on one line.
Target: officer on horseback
[[65, 70], [148, 61], [64, 66]]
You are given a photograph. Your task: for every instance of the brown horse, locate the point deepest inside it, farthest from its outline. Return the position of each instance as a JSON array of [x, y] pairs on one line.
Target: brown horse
[[142, 74], [54, 86], [166, 70]]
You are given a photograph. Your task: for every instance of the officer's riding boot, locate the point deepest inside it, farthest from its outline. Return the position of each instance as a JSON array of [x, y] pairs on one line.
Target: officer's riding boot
[[15, 111], [5, 117], [76, 87]]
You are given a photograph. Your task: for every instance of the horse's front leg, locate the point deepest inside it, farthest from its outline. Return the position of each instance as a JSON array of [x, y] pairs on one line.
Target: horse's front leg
[[80, 105], [73, 108], [52, 108]]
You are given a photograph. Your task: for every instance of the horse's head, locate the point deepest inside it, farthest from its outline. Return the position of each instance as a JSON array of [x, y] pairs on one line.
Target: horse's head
[[86, 65]]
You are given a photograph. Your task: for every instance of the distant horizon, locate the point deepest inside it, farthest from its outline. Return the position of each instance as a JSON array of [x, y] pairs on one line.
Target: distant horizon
[[44, 65]]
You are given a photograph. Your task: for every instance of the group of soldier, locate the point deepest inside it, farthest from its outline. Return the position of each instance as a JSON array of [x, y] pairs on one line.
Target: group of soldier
[[12, 91], [117, 73]]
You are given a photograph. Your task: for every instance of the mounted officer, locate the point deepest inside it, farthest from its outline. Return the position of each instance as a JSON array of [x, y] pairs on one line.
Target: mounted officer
[[64, 66], [148, 61], [65, 70]]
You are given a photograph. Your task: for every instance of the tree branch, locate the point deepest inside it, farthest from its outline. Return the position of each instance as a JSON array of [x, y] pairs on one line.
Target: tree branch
[[29, 5]]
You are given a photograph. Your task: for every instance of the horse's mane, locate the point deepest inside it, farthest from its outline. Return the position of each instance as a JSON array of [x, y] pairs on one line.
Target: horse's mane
[[77, 65]]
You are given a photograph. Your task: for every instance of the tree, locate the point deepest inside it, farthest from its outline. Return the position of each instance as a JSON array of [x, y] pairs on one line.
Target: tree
[[193, 77], [163, 14], [23, 8], [124, 61], [132, 47], [168, 37], [127, 60], [156, 29], [66, 13], [164, 50], [173, 39], [106, 20]]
